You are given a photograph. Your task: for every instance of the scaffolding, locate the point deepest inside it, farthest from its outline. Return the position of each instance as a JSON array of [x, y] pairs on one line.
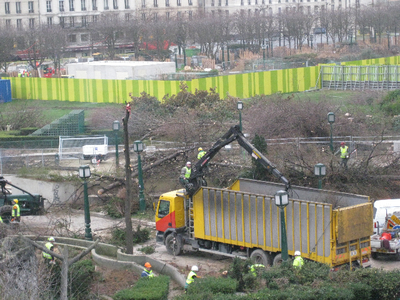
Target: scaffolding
[[383, 77]]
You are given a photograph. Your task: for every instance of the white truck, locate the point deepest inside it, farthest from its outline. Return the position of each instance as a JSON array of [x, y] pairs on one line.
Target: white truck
[[387, 240], [97, 152]]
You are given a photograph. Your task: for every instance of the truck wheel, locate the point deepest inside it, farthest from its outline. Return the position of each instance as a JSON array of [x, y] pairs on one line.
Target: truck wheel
[[374, 255], [173, 244], [278, 260], [5, 212], [260, 257]]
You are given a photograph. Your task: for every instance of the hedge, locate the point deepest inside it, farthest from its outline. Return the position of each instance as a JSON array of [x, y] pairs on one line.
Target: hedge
[[146, 288]]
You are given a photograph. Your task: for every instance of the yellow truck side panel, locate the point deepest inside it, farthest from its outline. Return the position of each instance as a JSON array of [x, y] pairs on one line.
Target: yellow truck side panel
[[354, 222], [253, 221]]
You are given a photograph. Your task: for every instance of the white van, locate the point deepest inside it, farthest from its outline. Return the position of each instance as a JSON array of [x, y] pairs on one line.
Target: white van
[[383, 208]]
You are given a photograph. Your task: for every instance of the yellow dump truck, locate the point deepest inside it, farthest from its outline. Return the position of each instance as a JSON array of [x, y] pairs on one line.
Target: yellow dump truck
[[242, 220]]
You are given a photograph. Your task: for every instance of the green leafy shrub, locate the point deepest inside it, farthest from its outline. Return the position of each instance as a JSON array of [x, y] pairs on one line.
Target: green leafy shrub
[[81, 275], [391, 103], [238, 270], [298, 292], [360, 290], [213, 285], [155, 288], [27, 130], [118, 236], [385, 285], [147, 249], [114, 207], [141, 235]]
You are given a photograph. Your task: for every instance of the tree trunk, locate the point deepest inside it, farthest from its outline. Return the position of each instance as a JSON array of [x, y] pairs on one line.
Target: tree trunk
[[128, 185], [64, 275]]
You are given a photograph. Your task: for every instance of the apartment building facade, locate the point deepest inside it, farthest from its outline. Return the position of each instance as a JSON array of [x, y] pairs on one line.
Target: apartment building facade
[[77, 14]]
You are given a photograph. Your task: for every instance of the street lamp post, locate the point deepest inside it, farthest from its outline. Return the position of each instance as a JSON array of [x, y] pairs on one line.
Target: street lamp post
[[116, 126], [84, 173], [320, 171], [223, 54], [263, 49], [176, 58], [311, 39], [227, 55], [184, 55], [331, 120], [138, 147], [282, 200], [388, 38], [240, 108]]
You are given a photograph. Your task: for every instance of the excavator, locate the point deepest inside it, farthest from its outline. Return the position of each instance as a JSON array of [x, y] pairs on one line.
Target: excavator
[[175, 210], [197, 180], [30, 204]]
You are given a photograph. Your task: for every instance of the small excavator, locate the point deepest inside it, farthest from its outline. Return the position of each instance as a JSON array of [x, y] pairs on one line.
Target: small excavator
[[30, 204]]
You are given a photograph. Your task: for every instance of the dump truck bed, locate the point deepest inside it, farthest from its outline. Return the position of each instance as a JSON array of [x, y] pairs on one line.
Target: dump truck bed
[[252, 220]]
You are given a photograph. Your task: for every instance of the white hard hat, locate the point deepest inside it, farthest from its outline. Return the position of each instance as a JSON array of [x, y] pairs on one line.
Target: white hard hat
[[188, 163], [297, 253], [51, 239], [195, 268]]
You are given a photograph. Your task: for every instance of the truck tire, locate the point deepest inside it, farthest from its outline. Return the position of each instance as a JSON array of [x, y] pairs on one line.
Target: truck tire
[[260, 257], [5, 212], [278, 260], [374, 255], [173, 244]]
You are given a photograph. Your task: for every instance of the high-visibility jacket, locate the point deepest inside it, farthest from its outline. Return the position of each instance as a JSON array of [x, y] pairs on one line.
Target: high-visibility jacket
[[190, 277], [48, 245], [201, 154], [1, 220], [254, 267], [16, 212], [146, 273], [298, 262], [188, 171], [344, 152]]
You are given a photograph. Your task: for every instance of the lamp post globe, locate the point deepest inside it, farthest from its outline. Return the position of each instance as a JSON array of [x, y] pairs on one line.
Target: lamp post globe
[[320, 171], [240, 108], [116, 127], [331, 120]]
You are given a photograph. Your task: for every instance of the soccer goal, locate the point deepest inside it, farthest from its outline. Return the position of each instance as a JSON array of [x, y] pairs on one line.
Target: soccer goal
[[72, 147]]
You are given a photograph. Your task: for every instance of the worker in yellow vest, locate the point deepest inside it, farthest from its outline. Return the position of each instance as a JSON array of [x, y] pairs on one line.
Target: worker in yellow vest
[[49, 245], [191, 276], [16, 211], [185, 174], [298, 260]]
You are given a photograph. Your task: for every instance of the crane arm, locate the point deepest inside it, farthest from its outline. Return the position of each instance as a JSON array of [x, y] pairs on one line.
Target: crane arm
[[233, 134]]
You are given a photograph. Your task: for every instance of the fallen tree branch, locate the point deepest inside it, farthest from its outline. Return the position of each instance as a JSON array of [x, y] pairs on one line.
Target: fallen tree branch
[[120, 182]]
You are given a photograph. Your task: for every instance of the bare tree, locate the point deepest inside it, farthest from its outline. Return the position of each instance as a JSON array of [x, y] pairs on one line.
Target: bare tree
[[6, 47], [128, 184], [56, 41], [110, 29], [35, 46], [158, 36], [134, 30]]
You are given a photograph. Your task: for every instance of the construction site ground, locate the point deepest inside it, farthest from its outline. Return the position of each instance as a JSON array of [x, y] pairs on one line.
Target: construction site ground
[[60, 223]]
